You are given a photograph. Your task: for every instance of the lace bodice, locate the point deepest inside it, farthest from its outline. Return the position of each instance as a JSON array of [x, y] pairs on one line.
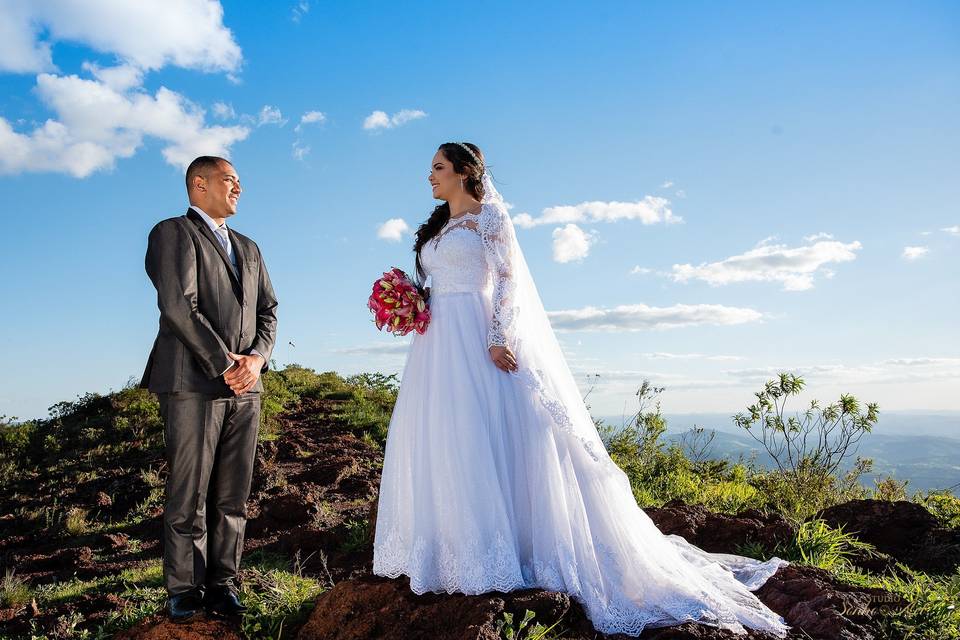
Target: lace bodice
[[469, 254], [454, 258]]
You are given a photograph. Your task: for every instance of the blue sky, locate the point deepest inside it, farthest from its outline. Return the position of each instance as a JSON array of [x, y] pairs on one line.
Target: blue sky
[[712, 192]]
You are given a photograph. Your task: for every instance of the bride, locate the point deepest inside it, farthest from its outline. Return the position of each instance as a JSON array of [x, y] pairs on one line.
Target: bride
[[494, 475]]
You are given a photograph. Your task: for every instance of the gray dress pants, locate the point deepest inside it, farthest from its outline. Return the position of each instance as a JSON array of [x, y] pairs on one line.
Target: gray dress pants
[[210, 442]]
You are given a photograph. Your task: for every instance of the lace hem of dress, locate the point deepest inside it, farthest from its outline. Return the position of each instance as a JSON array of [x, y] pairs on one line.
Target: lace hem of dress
[[475, 569]]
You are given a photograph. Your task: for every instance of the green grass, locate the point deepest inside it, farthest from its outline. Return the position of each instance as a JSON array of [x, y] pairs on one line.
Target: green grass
[[820, 545], [14, 591], [76, 523], [279, 597], [930, 604]]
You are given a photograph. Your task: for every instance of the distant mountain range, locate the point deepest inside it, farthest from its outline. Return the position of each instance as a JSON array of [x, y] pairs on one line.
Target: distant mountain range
[[923, 448]]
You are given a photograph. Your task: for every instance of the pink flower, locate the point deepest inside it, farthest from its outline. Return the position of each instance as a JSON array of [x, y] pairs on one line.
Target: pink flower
[[396, 304]]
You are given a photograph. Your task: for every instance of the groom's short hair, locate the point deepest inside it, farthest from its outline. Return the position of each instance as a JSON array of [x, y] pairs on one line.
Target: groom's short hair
[[202, 164]]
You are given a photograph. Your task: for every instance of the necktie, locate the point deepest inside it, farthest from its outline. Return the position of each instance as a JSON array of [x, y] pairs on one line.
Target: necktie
[[221, 233], [223, 238]]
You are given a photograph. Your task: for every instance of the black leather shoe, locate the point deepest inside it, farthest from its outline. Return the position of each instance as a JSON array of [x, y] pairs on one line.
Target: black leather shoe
[[223, 600], [184, 606]]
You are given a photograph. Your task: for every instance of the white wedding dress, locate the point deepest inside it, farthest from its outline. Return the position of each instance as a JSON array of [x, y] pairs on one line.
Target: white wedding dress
[[496, 481]]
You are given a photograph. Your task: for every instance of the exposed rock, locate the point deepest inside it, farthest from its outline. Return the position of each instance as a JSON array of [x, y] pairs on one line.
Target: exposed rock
[[118, 540], [373, 607], [812, 602], [159, 627], [819, 606], [718, 532], [286, 510], [904, 530]]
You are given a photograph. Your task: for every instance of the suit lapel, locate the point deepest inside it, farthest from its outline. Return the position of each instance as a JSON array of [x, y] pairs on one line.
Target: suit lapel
[[208, 234]]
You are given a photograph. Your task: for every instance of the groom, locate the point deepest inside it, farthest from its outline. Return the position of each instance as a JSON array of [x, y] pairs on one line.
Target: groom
[[218, 324]]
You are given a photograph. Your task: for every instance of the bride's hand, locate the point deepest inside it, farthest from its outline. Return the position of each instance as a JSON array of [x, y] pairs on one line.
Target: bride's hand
[[503, 358]]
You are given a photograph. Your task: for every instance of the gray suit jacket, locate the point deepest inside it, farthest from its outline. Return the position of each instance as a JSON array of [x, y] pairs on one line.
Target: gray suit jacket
[[206, 307]]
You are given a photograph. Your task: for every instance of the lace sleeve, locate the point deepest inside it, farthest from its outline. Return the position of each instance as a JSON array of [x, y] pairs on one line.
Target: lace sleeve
[[496, 230]]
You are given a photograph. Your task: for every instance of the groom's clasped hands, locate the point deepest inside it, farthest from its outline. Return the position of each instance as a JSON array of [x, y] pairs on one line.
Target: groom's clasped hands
[[244, 373]]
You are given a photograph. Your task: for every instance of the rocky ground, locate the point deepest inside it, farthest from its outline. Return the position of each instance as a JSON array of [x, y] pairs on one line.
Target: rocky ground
[[313, 502]]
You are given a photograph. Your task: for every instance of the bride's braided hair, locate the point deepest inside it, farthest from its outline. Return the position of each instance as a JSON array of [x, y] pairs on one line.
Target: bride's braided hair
[[465, 163]]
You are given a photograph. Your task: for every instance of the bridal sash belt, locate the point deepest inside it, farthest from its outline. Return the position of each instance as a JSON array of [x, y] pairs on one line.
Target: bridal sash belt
[[461, 287]]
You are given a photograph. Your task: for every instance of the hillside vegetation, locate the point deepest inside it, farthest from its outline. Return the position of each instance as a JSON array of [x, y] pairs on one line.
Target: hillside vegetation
[[81, 497]]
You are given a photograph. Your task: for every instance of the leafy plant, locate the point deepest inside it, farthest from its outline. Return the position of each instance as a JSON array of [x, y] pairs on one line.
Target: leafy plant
[[358, 535], [820, 545], [506, 629], [943, 505]]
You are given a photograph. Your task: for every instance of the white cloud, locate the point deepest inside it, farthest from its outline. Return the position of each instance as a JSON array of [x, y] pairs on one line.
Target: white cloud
[[795, 267], [640, 271], [270, 115], [660, 355], [914, 253], [823, 235], [650, 210], [119, 78], [400, 346], [97, 124], [639, 317], [148, 34], [311, 117], [224, 111], [571, 243], [299, 10], [300, 150], [884, 372], [954, 230], [681, 194], [902, 370], [380, 119], [667, 184], [921, 362], [393, 230], [95, 121]]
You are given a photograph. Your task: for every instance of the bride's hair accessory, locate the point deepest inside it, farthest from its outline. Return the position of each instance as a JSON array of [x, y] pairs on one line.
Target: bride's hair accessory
[[472, 154]]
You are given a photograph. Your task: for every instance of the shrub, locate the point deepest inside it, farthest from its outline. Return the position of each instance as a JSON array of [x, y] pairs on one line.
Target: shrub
[[889, 488], [808, 449], [659, 473], [943, 505]]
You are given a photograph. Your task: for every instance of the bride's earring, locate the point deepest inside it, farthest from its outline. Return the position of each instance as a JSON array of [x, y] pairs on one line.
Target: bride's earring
[[461, 184]]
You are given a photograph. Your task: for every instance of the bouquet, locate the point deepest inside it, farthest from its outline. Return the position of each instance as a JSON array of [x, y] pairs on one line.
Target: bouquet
[[398, 304]]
